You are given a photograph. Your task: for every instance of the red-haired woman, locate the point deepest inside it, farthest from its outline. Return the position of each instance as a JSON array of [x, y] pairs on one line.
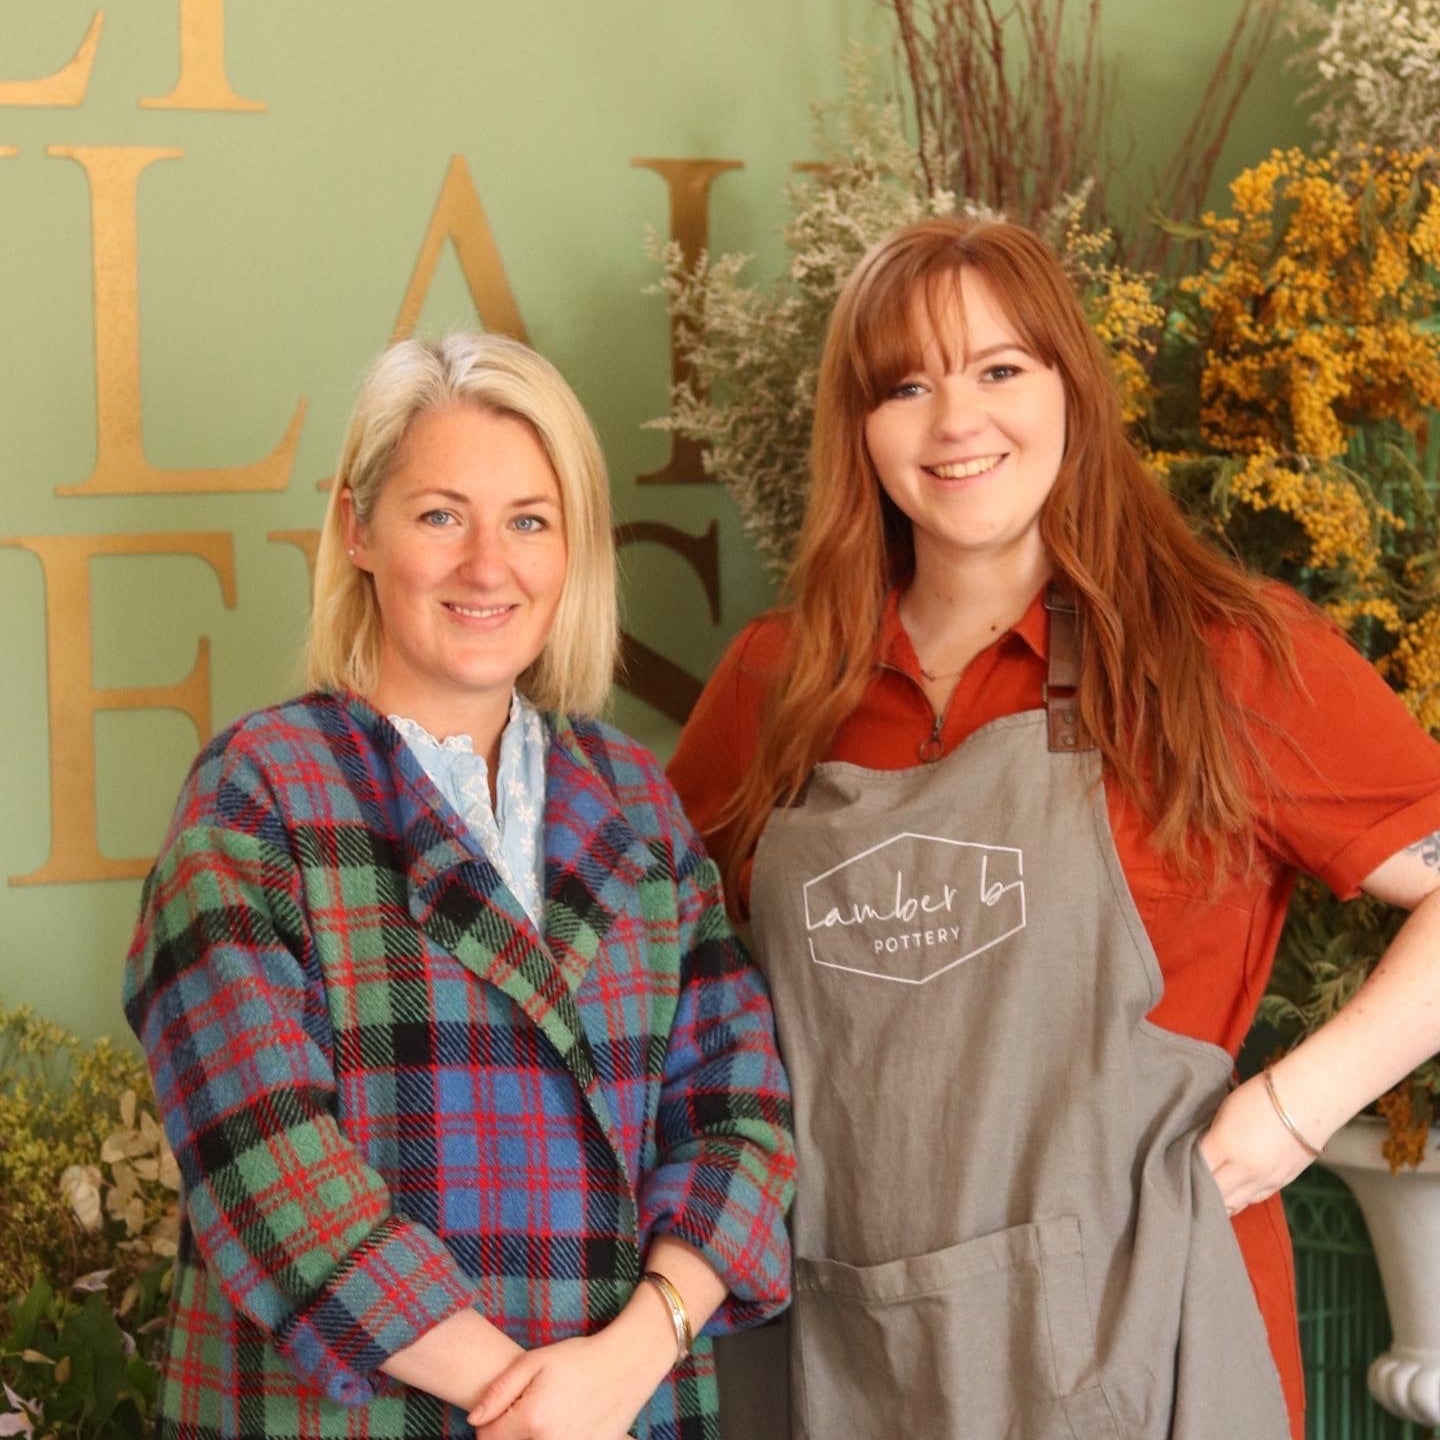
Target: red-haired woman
[[1014, 792]]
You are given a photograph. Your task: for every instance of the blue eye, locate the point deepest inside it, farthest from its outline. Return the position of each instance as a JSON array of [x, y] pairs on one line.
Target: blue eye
[[437, 519], [529, 524]]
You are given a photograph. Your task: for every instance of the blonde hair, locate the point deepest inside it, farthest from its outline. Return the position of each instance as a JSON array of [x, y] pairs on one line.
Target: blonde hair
[[574, 671]]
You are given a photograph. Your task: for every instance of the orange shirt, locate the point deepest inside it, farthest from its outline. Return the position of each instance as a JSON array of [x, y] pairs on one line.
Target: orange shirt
[[1354, 779]]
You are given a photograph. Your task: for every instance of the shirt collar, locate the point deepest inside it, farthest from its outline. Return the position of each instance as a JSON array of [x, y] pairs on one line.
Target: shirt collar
[[522, 747]]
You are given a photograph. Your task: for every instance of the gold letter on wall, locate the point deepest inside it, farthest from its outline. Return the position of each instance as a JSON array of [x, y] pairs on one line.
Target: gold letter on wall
[[203, 83], [689, 183], [73, 698], [120, 464], [460, 217], [67, 85]]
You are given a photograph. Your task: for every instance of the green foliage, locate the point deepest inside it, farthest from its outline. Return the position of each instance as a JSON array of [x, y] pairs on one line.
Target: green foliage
[[1326, 953], [90, 1214], [58, 1103], [70, 1369]]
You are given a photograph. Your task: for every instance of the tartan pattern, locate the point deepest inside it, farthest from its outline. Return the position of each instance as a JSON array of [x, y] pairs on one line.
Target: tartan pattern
[[389, 1099]]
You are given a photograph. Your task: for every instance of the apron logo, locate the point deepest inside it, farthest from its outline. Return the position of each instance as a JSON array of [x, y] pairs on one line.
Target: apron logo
[[914, 906]]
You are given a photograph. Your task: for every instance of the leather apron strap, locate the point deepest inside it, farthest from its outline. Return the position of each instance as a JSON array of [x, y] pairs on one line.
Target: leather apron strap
[[1062, 682]]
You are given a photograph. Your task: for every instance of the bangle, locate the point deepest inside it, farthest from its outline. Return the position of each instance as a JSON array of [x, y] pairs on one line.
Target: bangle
[[679, 1315], [1285, 1119]]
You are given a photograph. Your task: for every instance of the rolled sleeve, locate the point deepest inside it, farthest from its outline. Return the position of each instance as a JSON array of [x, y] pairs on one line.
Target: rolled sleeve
[[1351, 777], [399, 1283]]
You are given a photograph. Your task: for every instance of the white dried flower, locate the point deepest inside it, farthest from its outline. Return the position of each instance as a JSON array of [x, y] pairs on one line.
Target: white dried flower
[[1377, 69], [21, 1414], [80, 1188], [142, 1167]]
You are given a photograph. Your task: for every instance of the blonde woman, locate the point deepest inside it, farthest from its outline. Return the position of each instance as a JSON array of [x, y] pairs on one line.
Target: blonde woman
[[475, 1096]]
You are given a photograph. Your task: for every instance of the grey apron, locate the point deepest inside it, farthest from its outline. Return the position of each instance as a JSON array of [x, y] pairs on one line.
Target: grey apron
[[1003, 1229]]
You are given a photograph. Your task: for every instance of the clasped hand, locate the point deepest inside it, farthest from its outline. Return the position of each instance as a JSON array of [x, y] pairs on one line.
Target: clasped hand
[[588, 1388]]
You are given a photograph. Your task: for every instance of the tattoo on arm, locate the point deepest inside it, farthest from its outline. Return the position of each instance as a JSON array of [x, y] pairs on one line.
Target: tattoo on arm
[[1428, 849]]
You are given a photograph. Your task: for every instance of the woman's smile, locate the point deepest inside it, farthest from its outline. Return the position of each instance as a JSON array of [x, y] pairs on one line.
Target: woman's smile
[[965, 469], [472, 612]]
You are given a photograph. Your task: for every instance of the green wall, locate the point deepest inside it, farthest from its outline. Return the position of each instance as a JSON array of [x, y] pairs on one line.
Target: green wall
[[272, 256]]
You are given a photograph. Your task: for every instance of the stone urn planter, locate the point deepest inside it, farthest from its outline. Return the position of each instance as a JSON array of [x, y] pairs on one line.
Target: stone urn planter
[[1402, 1213]]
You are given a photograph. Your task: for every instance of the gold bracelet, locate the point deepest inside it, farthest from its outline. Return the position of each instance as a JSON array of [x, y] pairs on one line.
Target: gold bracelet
[[679, 1315], [1285, 1119]]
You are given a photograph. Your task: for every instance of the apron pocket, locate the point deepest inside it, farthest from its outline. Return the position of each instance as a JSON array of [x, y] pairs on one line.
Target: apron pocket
[[990, 1339]]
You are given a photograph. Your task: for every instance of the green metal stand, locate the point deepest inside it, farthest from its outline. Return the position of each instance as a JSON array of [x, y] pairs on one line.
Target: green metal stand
[[1343, 1324]]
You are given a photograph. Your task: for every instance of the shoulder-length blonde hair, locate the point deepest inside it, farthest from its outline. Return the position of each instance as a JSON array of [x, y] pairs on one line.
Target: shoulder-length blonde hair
[[574, 671], [1150, 591]]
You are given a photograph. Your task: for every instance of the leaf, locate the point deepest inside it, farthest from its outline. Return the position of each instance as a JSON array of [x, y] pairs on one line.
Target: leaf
[[144, 1380], [93, 1342], [29, 1314], [1180, 229], [115, 1147], [34, 1357], [127, 1109]]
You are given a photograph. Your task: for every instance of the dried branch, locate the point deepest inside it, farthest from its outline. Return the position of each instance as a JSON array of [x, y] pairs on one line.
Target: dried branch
[[1186, 180], [1008, 113], [1021, 127]]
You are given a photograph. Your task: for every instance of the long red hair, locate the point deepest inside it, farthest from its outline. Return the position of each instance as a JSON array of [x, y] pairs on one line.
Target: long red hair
[[1150, 591]]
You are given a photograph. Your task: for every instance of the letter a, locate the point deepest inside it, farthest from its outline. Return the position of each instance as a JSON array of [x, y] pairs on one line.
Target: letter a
[[460, 218]]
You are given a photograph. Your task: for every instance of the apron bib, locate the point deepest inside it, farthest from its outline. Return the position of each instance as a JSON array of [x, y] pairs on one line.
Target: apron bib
[[1003, 1228]]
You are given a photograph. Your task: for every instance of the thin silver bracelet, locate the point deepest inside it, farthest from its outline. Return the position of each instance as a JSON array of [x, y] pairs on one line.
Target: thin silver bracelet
[[1285, 1119]]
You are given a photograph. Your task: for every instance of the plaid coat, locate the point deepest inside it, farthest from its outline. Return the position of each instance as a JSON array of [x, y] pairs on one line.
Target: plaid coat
[[391, 1098]]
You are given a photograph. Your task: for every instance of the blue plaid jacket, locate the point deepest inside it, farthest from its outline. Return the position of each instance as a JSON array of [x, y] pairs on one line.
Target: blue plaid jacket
[[390, 1097]]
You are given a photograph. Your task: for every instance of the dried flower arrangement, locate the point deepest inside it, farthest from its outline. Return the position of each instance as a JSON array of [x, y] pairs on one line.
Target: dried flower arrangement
[[1280, 364], [1374, 71], [1301, 378]]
